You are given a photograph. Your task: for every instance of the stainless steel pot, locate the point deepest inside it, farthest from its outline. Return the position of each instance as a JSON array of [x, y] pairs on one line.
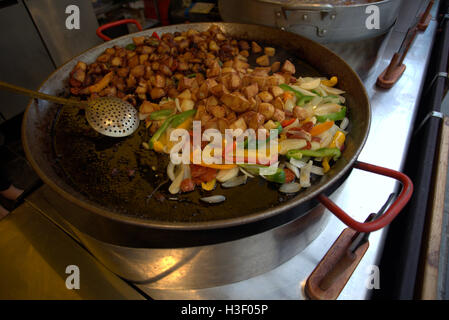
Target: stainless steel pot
[[324, 23], [341, 28], [145, 250]]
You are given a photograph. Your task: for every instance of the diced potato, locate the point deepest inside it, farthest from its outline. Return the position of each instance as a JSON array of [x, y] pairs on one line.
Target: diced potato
[[186, 94], [148, 107], [238, 124], [265, 96], [157, 93], [159, 81], [267, 110], [255, 47], [276, 91], [263, 61], [139, 71], [275, 66], [216, 111], [278, 103], [235, 102], [269, 51], [138, 40], [116, 61], [278, 115], [251, 90], [288, 67]]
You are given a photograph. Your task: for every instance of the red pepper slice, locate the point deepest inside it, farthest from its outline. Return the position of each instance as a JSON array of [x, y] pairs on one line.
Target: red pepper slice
[[154, 35], [288, 122]]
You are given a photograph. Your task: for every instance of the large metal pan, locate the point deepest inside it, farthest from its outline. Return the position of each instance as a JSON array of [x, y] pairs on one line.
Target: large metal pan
[[110, 232]]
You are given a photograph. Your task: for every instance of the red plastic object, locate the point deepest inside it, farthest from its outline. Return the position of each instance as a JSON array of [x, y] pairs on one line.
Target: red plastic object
[[114, 24], [163, 8], [389, 215]]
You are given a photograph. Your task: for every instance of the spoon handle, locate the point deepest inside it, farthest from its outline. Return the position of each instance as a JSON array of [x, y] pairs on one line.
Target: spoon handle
[[40, 95]]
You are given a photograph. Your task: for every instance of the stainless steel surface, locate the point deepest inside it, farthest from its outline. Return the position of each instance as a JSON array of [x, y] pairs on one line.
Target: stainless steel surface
[[112, 116], [23, 58], [35, 254], [324, 23], [192, 267], [340, 28], [50, 16], [394, 112]]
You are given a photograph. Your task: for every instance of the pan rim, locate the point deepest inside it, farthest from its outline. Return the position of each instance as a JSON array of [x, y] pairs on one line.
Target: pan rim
[[202, 225]]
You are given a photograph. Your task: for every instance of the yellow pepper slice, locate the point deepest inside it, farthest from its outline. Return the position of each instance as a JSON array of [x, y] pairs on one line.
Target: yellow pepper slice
[[337, 142], [158, 146], [209, 186], [330, 83]]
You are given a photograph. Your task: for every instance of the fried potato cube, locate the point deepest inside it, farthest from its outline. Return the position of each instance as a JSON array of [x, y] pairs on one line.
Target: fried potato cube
[[267, 110], [157, 93], [265, 96], [187, 104], [263, 61], [216, 111], [288, 67], [238, 124], [235, 102], [275, 66], [251, 90], [138, 40], [278, 115], [255, 47], [148, 107], [269, 51]]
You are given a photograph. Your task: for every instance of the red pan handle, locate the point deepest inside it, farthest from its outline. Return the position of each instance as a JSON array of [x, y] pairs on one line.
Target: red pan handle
[[389, 215], [114, 24]]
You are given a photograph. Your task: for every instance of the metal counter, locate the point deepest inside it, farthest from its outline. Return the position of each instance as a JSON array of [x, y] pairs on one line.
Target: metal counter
[[393, 111]]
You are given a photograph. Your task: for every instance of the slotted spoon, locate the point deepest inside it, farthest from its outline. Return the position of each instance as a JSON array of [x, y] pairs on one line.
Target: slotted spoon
[[109, 116]]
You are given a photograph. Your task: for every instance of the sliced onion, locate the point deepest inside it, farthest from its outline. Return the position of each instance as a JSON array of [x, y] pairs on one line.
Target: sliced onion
[[310, 83], [317, 170], [293, 168], [187, 174], [171, 171], [143, 116], [246, 173], [227, 174], [234, 182], [213, 199], [303, 91], [327, 109], [315, 145], [298, 163], [315, 101], [291, 144], [295, 124], [332, 90], [290, 187], [344, 123], [176, 184], [304, 178], [178, 106], [289, 105]]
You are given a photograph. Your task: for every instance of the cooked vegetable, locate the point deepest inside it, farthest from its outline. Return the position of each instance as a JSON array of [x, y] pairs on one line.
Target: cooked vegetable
[[206, 76], [320, 153]]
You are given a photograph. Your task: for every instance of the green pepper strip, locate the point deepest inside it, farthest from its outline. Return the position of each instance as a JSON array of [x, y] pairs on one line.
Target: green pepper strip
[[277, 177], [173, 120], [320, 153], [193, 75], [161, 114], [340, 115], [130, 46], [302, 98]]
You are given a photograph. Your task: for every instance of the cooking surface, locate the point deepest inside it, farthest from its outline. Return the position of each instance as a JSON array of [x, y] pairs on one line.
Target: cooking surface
[[122, 176]]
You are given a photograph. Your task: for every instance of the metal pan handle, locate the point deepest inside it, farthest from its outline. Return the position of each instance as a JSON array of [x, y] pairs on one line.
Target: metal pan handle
[[389, 215], [114, 24], [295, 5]]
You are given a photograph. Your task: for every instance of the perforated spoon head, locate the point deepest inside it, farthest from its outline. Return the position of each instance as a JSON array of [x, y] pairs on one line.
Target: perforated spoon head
[[112, 116]]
